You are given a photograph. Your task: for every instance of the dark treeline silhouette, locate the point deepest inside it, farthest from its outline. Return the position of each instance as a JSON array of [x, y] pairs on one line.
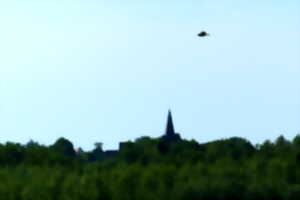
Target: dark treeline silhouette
[[152, 169]]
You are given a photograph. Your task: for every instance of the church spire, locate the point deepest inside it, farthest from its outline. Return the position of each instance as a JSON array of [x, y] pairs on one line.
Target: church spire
[[170, 127]]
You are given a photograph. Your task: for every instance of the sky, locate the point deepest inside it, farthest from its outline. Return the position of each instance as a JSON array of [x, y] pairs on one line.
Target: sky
[[108, 71]]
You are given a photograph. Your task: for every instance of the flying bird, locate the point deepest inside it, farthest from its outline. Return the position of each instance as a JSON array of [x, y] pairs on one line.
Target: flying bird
[[203, 34]]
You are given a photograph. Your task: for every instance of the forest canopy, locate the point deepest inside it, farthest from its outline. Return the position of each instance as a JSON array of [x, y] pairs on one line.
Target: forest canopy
[[149, 169]]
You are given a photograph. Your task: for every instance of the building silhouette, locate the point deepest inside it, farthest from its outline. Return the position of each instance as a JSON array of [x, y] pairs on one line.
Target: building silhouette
[[170, 135]]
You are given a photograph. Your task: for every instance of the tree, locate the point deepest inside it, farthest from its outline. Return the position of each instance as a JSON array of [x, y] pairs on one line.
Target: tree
[[64, 147], [97, 153]]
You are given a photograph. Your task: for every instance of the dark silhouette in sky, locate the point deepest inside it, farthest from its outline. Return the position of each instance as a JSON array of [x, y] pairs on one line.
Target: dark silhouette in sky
[[203, 34]]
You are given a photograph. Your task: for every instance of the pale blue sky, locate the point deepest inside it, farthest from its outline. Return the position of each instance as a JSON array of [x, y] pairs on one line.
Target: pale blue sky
[[95, 71]]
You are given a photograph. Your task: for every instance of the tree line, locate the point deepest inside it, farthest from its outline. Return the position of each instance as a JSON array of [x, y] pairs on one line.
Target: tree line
[[152, 169]]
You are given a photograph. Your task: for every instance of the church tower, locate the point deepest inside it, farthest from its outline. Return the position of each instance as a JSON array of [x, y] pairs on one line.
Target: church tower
[[170, 135], [170, 127]]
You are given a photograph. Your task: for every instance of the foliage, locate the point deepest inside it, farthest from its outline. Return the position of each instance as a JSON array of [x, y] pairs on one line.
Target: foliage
[[150, 169]]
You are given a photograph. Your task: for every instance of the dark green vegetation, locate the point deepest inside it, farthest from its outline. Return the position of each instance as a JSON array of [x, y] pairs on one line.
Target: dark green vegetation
[[152, 169]]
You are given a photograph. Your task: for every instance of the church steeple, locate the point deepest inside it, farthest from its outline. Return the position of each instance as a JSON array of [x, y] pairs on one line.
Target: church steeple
[[170, 135], [170, 127]]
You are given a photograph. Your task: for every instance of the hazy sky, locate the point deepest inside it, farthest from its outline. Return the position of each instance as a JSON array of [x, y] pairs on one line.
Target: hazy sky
[[108, 71]]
